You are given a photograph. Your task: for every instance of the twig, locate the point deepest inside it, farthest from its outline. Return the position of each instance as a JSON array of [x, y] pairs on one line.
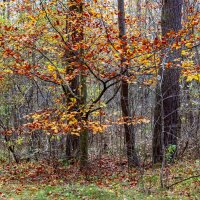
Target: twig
[[196, 176]]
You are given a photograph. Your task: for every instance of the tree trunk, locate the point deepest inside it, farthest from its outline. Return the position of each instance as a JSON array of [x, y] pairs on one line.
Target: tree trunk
[[72, 141], [168, 89], [128, 129], [78, 86], [84, 132]]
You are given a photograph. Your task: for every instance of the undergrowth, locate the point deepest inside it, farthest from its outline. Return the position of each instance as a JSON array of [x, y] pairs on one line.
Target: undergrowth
[[106, 179]]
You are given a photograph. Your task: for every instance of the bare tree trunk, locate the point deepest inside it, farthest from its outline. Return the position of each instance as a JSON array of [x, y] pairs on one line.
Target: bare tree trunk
[[128, 128], [84, 132], [168, 94]]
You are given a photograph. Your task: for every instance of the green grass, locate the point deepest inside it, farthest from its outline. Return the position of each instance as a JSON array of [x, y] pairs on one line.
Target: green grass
[[14, 185], [93, 192], [71, 192]]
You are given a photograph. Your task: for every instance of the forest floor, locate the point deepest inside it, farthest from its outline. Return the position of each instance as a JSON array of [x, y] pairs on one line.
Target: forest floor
[[106, 179]]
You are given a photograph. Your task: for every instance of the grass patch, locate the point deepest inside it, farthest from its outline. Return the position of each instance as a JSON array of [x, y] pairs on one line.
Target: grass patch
[[71, 192], [38, 181], [94, 192]]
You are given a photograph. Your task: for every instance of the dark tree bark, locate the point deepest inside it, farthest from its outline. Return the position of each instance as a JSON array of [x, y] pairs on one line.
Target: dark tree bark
[[77, 146], [166, 116], [72, 141], [128, 128], [83, 101]]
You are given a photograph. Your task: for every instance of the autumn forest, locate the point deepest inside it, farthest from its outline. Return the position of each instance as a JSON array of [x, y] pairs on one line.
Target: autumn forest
[[99, 99]]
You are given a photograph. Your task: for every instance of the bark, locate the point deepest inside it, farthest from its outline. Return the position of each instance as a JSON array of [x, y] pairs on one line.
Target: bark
[[84, 149], [74, 144], [128, 128], [168, 89], [84, 133], [11, 148], [138, 13], [72, 141]]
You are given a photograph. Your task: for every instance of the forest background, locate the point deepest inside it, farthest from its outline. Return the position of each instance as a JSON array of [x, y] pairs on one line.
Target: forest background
[[99, 97]]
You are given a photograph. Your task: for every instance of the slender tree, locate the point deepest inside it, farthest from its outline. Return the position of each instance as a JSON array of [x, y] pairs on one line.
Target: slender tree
[[128, 128]]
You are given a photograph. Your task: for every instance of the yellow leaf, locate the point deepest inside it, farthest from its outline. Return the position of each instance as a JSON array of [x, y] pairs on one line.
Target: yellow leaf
[[51, 68], [184, 53], [187, 63], [189, 45], [193, 77], [8, 71]]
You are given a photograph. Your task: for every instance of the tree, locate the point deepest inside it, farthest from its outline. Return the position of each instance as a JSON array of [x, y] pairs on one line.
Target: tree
[[64, 64], [166, 113], [78, 44], [72, 141], [77, 90], [128, 127]]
